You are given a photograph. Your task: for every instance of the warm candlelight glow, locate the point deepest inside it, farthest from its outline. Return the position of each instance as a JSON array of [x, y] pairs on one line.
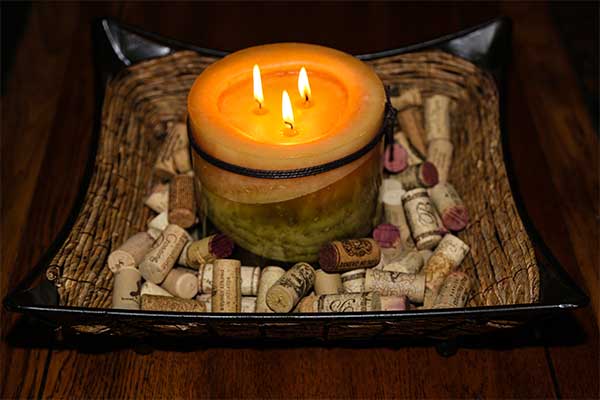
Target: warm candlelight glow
[[258, 89], [303, 85], [286, 110]]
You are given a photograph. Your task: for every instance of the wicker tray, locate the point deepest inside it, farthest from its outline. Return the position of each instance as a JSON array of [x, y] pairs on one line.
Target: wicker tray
[[147, 78]]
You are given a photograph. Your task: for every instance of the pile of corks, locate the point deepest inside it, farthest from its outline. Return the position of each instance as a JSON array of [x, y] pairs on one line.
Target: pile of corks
[[411, 261]]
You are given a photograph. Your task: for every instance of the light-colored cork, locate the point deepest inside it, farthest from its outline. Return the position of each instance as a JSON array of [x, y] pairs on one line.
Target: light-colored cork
[[126, 289], [248, 304], [150, 288], [250, 278], [405, 261], [410, 117], [154, 233], [388, 283], [454, 292], [447, 201], [158, 200], [328, 283], [354, 281], [130, 253], [159, 222], [394, 303], [393, 211], [175, 304], [348, 302], [176, 139], [283, 296], [268, 277], [226, 286], [164, 253], [413, 156], [421, 218], [439, 153], [181, 282], [208, 249], [349, 254], [182, 202], [307, 304], [206, 298], [408, 98], [446, 258], [426, 254], [437, 117], [205, 278]]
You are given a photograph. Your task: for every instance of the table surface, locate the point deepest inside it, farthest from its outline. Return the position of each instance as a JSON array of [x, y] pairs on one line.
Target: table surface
[[47, 117]]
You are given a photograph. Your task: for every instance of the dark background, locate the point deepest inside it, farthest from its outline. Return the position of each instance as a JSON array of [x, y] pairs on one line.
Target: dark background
[[552, 112]]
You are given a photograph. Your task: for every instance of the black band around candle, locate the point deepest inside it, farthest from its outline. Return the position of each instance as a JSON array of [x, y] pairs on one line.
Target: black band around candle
[[387, 130]]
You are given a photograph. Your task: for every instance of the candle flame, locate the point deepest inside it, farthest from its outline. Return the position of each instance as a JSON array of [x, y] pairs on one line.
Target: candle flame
[[258, 89], [303, 85], [286, 110]]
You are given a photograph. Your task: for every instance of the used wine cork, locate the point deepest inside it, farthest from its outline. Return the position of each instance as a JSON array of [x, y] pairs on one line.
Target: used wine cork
[[448, 255], [454, 291], [207, 250], [154, 233], [150, 288], [126, 288], [421, 218], [418, 176], [164, 253], [413, 156], [348, 302], [452, 210], [268, 277], [437, 117], [159, 222], [181, 150], [226, 290], [388, 283], [206, 299], [250, 277], [410, 117], [158, 200], [307, 304], [349, 254], [163, 303], [181, 282], [182, 204], [426, 254], [130, 253], [394, 303], [176, 140], [394, 214], [405, 261], [290, 288], [386, 235], [395, 158], [205, 278], [328, 283], [439, 153], [248, 304], [354, 281]]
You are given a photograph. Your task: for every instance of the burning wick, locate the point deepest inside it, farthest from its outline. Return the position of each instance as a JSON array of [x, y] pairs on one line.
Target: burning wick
[[286, 110], [304, 85]]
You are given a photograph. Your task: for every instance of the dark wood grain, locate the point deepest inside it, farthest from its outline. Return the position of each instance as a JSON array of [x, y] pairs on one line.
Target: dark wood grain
[[49, 103]]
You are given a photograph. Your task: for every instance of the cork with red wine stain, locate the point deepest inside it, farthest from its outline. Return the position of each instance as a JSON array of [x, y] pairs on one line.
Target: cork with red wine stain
[[395, 158], [447, 201], [423, 175], [207, 250], [386, 235]]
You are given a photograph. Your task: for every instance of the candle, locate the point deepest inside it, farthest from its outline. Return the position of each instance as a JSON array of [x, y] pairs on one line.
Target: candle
[[288, 107]]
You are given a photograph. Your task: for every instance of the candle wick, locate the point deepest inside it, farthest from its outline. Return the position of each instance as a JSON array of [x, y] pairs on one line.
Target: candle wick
[[306, 98], [289, 124], [259, 104]]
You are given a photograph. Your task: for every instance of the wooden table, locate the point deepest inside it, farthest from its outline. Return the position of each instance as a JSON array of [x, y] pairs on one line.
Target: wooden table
[[47, 114]]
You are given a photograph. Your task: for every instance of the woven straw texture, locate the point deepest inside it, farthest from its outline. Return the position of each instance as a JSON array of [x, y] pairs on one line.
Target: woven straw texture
[[144, 99]]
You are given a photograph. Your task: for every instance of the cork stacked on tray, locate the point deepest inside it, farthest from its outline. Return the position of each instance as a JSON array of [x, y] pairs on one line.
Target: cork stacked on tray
[[411, 261]]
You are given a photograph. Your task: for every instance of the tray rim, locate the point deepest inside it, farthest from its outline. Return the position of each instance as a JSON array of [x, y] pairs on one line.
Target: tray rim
[[478, 44]]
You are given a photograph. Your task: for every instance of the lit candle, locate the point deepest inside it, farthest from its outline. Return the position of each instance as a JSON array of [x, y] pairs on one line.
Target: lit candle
[[337, 111]]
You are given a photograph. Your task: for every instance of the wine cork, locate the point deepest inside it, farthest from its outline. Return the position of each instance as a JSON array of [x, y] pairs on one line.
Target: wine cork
[[158, 200], [418, 176], [268, 277], [205, 278], [150, 288], [207, 250], [354, 281], [395, 158], [164, 253], [226, 282], [446, 200], [349, 254], [126, 288], [437, 117], [439, 153], [248, 304], [290, 288], [348, 302], [154, 233], [130, 253], [250, 277], [183, 162], [426, 254], [394, 303], [206, 299], [328, 283], [448, 255], [405, 261], [176, 140], [182, 203], [307, 304], [163, 303], [410, 117], [181, 282], [394, 214], [386, 235], [413, 156], [454, 291], [388, 283], [181, 149], [421, 219], [159, 222]]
